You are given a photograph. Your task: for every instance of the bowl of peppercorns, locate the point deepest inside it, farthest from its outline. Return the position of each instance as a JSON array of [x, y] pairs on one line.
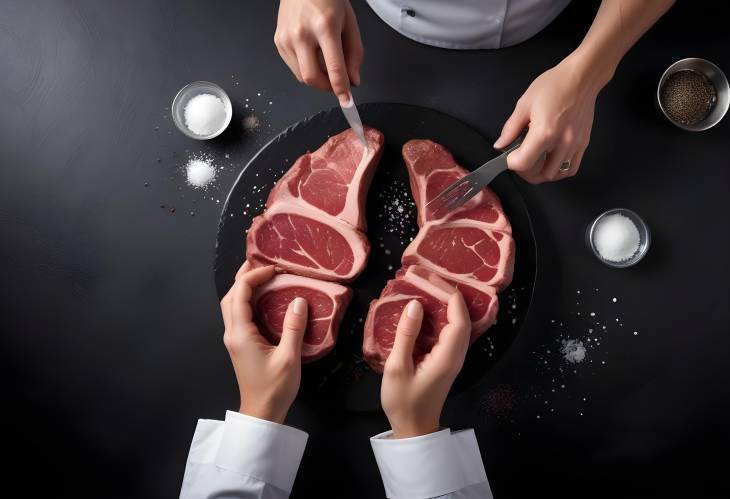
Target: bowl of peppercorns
[[693, 94]]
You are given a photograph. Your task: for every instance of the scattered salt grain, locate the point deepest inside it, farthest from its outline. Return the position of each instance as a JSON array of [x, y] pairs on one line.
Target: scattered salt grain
[[573, 351], [205, 114], [200, 172], [616, 238]]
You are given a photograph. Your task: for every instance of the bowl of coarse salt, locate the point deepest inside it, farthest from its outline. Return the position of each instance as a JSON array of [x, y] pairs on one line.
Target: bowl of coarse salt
[[619, 237], [201, 110]]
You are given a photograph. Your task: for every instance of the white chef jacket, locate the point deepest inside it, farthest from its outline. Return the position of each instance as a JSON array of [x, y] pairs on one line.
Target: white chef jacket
[[468, 24], [245, 457]]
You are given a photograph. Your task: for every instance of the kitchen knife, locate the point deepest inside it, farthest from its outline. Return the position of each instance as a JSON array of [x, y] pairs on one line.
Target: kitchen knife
[[353, 118]]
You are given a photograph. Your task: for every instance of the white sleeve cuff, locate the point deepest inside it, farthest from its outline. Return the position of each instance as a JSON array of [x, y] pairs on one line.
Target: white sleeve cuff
[[429, 465], [254, 447]]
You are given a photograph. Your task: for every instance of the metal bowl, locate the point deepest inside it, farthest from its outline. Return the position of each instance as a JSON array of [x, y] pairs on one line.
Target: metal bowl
[[188, 92], [644, 237], [718, 79]]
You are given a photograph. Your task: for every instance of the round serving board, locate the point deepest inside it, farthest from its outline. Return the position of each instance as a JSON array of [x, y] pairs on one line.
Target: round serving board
[[342, 379]]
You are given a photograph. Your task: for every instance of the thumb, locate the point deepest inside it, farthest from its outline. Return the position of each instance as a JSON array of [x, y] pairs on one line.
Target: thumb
[[407, 332], [512, 128], [295, 324]]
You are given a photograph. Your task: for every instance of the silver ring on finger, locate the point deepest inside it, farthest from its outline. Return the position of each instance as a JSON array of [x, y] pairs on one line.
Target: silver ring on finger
[[564, 166]]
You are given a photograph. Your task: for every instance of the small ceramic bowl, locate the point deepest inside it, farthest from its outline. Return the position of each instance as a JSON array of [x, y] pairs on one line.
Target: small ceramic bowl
[[719, 81], [188, 92], [644, 238]]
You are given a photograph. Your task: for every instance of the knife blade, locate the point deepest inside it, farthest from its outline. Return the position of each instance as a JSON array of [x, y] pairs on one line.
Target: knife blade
[[353, 119]]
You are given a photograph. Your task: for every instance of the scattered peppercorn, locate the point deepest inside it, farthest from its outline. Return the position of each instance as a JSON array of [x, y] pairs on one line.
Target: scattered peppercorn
[[172, 210], [687, 96]]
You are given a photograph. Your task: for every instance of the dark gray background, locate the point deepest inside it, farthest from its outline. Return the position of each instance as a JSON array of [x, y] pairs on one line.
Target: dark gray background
[[111, 339]]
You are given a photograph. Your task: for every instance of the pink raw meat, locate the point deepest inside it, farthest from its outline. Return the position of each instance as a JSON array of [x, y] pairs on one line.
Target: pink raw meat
[[315, 214], [415, 282], [431, 169], [464, 251], [472, 244], [327, 303], [385, 313], [312, 229], [470, 248]]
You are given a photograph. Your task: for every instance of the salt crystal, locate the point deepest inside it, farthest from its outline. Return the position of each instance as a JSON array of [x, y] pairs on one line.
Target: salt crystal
[[200, 172], [616, 238], [205, 114]]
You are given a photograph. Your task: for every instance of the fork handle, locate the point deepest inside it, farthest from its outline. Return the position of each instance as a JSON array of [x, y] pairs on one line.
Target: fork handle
[[514, 145]]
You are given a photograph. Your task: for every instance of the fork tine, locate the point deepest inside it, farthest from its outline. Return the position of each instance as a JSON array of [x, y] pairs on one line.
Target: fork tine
[[461, 200], [439, 202], [451, 197], [449, 190]]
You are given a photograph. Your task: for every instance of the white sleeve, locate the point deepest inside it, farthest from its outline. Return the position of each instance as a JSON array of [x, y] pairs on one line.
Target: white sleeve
[[440, 464], [242, 457]]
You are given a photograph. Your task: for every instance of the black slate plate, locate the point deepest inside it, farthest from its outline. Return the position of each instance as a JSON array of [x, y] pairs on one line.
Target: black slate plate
[[342, 380]]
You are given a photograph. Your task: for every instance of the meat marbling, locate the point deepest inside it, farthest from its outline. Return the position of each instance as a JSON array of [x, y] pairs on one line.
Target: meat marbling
[[470, 248]]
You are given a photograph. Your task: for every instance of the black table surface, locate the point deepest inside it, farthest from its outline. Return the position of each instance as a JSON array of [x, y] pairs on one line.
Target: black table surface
[[111, 336]]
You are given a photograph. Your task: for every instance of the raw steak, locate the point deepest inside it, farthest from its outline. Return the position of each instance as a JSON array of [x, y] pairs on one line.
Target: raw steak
[[418, 283], [315, 214], [312, 229], [431, 169], [327, 303], [464, 252], [470, 248], [472, 244]]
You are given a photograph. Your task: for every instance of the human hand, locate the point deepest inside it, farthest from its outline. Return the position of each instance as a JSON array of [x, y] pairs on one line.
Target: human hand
[[412, 396], [268, 376], [320, 42], [558, 107]]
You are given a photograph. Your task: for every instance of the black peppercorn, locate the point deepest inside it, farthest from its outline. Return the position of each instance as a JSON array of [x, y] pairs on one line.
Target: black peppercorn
[[687, 96]]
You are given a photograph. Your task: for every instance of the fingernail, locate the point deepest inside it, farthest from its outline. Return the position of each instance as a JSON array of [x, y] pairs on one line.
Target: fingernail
[[300, 305], [344, 99], [413, 310]]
